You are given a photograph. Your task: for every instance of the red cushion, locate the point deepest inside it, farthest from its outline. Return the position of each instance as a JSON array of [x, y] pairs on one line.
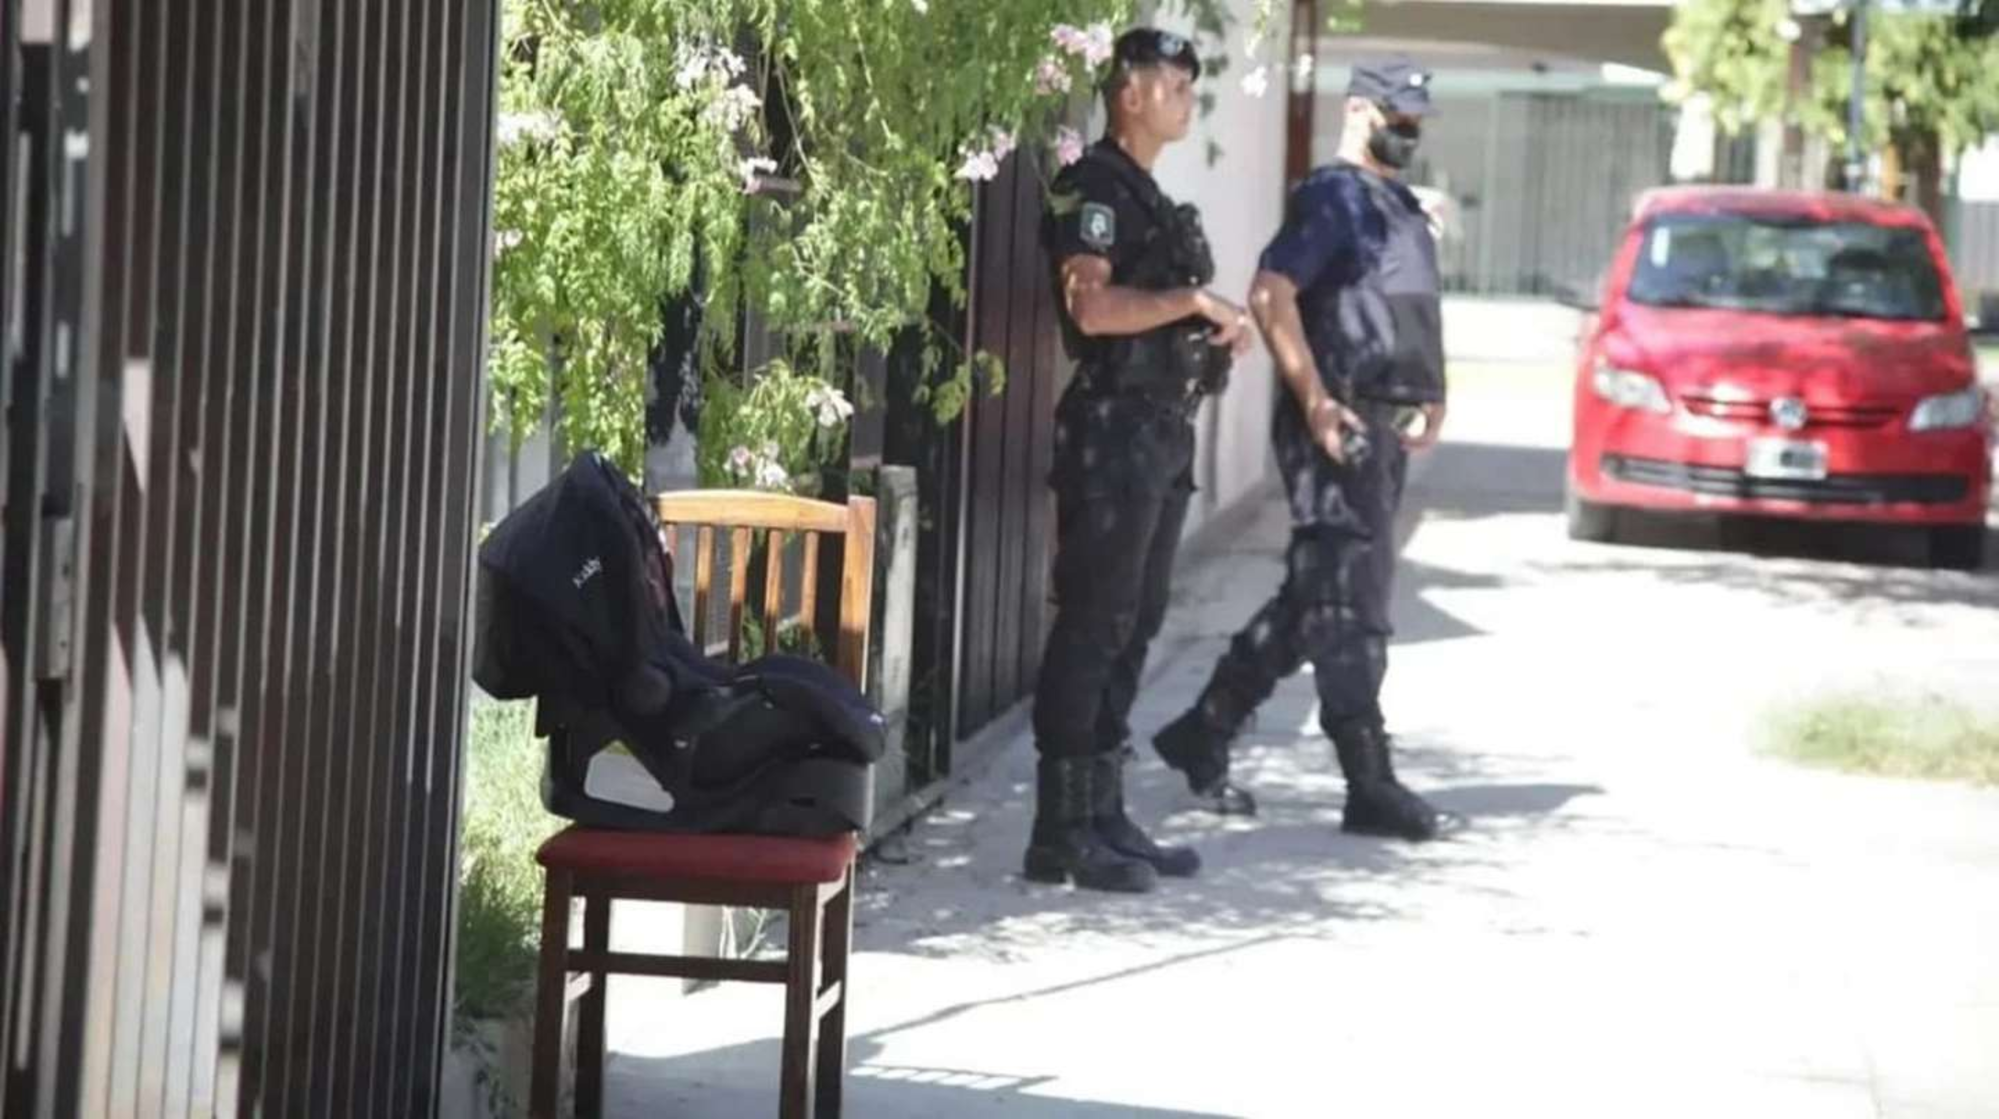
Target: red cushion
[[734, 858]]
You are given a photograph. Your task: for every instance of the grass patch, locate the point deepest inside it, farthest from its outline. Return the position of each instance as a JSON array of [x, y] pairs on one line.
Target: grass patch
[[500, 884], [1927, 737]]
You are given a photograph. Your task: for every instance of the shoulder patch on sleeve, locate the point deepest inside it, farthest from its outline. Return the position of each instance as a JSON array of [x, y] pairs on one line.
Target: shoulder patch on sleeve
[[1099, 225]]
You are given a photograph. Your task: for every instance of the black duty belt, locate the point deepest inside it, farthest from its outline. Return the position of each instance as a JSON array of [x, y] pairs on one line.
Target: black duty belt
[[1183, 399]]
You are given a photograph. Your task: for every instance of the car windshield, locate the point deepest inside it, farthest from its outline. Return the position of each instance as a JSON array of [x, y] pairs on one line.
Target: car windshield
[[1788, 267]]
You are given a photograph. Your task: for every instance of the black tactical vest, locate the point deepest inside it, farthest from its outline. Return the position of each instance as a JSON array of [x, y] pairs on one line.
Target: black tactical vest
[[1175, 362]]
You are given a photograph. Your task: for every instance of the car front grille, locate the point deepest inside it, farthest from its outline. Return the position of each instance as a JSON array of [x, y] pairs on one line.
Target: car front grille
[[1819, 415], [1838, 489]]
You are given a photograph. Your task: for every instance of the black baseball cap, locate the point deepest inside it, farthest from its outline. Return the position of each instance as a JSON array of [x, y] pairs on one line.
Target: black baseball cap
[[1396, 84], [1149, 46]]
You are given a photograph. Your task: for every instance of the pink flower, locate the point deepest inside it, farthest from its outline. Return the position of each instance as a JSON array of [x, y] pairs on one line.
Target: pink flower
[[1097, 44], [696, 63], [830, 404], [751, 168], [979, 167], [515, 127], [1003, 143], [693, 70], [1068, 145], [733, 107], [1051, 77], [1094, 45]]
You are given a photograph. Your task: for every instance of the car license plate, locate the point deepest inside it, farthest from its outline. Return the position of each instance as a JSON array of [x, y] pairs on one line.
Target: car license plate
[[1786, 458]]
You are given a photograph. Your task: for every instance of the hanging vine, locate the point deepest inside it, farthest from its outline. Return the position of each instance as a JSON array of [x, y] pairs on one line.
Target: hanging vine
[[812, 160]]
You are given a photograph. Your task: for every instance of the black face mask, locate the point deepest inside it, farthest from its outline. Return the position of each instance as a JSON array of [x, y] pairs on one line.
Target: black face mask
[[1394, 145]]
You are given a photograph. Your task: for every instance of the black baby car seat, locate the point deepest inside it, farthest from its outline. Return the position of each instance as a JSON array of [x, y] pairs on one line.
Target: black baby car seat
[[577, 610]]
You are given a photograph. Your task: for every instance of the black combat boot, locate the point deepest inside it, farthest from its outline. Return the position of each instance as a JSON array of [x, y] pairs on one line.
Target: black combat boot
[[1065, 844], [1378, 804], [1125, 837], [1199, 749]]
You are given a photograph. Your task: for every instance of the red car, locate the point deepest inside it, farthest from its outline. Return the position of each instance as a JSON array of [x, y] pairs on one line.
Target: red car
[[1782, 354]]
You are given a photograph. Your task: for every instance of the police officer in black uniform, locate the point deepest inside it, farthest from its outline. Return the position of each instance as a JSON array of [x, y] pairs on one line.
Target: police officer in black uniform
[[1149, 340], [1347, 298]]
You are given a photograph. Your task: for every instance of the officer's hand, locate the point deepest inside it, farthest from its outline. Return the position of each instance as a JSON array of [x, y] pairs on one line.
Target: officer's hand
[[1245, 339], [1231, 323], [1433, 427], [1330, 421]]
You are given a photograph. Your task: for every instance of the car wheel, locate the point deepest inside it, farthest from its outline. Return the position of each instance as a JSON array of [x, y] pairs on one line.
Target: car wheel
[[1960, 547], [1588, 520]]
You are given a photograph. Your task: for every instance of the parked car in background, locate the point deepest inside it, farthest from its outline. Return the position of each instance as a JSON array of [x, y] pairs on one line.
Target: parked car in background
[[1782, 354]]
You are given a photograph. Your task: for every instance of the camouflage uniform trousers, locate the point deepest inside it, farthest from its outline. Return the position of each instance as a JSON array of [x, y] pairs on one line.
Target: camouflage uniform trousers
[[1332, 608], [1123, 476]]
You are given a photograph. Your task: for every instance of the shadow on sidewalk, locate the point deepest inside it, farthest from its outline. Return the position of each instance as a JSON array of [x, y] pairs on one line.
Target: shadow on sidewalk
[[1491, 802], [1417, 618], [1868, 582], [1865, 545], [1467, 480], [742, 1079], [952, 888]]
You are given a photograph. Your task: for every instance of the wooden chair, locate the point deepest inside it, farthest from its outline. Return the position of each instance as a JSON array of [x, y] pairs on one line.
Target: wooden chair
[[810, 879]]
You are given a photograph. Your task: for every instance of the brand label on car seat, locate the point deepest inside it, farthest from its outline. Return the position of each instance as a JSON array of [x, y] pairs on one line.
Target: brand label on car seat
[[616, 777]]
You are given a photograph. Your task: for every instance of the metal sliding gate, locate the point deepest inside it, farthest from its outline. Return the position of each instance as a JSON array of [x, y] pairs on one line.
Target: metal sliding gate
[[241, 321]]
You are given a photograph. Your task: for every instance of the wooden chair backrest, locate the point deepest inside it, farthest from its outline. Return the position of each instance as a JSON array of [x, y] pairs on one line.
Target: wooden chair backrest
[[742, 514]]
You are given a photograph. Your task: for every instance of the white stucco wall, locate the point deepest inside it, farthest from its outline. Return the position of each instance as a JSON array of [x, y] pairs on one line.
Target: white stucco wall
[[1241, 201]]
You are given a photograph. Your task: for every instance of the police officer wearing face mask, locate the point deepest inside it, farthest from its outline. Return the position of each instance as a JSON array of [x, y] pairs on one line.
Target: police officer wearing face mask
[[1130, 270], [1347, 299]]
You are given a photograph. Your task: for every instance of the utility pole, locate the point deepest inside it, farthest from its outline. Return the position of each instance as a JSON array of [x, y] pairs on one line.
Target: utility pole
[[1301, 86], [1802, 33], [1856, 109]]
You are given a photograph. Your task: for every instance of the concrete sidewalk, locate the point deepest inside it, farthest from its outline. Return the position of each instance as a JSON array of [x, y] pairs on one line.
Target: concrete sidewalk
[[1647, 917]]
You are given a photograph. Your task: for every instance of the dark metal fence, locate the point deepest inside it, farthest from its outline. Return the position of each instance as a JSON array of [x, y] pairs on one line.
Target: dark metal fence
[[244, 308], [1009, 512]]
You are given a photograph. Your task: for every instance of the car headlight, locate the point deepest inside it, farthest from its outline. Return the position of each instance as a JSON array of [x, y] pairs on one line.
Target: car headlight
[[1628, 389], [1964, 408]]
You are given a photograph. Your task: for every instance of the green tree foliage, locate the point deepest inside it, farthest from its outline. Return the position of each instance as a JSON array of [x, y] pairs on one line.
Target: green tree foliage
[[813, 160], [1733, 52], [1929, 76]]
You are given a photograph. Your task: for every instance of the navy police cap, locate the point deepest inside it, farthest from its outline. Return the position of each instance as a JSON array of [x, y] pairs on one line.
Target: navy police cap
[[1149, 46], [1396, 84]]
